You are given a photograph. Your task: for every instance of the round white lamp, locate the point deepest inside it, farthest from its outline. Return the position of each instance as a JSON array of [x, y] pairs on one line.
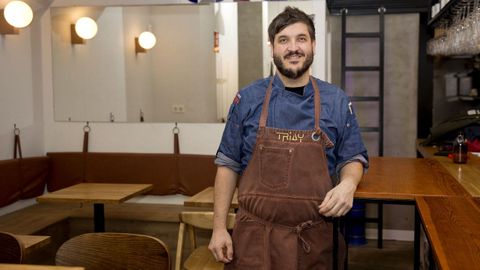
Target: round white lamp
[[86, 28], [18, 14], [147, 40]]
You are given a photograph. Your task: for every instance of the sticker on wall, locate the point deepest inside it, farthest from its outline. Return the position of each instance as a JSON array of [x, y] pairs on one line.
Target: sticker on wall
[[216, 42]]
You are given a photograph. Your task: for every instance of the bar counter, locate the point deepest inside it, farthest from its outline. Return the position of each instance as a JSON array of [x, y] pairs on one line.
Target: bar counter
[[468, 175]]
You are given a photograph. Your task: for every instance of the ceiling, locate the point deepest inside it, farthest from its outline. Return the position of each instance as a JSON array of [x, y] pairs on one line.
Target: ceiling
[[371, 6]]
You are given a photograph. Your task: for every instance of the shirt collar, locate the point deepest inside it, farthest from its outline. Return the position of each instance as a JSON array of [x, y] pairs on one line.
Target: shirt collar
[[278, 84]]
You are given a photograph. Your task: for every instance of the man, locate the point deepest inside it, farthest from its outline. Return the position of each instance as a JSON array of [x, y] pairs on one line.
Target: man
[[289, 137]]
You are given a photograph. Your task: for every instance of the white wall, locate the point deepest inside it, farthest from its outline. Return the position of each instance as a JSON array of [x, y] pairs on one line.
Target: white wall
[[117, 137], [138, 71], [184, 63], [227, 57], [124, 137], [83, 90], [20, 91]]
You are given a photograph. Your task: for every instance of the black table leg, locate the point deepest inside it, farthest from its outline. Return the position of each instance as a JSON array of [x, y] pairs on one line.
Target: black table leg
[[416, 243], [99, 217]]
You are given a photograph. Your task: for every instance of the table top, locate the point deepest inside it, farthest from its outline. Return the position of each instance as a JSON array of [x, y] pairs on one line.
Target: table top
[[37, 267], [468, 175], [33, 242], [96, 193], [453, 228], [395, 178], [388, 178], [205, 199]]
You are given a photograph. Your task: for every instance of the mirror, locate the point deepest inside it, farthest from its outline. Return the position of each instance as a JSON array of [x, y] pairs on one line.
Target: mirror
[[201, 58]]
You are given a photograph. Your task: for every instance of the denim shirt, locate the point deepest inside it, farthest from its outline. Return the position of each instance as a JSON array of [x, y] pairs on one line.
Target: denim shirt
[[289, 110]]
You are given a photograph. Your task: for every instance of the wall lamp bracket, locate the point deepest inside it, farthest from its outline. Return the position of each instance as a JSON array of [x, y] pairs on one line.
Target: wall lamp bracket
[[5, 27], [138, 48], [74, 37]]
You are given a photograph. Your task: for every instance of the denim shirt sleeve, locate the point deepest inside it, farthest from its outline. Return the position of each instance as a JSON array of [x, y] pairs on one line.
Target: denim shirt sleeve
[[349, 144], [231, 144]]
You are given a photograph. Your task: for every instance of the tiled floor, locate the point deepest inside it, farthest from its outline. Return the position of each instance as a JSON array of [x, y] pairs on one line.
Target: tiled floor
[[395, 255]]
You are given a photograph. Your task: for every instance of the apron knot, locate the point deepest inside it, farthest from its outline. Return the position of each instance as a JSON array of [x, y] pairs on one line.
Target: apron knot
[[299, 229]]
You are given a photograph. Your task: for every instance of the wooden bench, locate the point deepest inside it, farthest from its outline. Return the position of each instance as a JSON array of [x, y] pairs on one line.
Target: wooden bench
[[35, 218]]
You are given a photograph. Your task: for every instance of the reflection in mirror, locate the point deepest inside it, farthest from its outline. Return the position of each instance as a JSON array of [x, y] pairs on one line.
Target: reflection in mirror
[[201, 58]]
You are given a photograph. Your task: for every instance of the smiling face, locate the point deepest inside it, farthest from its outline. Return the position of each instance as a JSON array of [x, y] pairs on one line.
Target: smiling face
[[293, 51]]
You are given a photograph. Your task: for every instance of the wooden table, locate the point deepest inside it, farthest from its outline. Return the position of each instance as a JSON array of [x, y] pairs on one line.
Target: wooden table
[[33, 242], [205, 198], [98, 194], [37, 267], [468, 175], [452, 225]]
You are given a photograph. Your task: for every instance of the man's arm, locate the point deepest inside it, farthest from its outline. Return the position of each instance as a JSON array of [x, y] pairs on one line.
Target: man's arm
[[339, 200], [221, 242]]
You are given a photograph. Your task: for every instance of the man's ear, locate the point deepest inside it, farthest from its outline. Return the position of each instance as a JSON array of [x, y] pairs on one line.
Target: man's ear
[[314, 45], [271, 48]]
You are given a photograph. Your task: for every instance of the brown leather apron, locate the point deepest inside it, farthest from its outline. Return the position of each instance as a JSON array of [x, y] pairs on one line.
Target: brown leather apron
[[278, 225]]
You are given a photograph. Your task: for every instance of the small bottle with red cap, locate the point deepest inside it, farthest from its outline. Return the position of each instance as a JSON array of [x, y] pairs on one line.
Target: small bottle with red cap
[[460, 149]]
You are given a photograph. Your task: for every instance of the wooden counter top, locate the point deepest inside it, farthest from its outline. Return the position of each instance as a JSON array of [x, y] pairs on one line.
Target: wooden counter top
[[388, 178], [394, 178], [468, 175], [453, 228]]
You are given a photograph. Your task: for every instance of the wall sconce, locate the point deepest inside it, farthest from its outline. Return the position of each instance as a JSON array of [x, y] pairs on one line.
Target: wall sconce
[[16, 14], [144, 42], [84, 28]]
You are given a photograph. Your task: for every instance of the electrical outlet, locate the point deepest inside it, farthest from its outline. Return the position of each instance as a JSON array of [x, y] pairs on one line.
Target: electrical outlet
[[181, 108], [178, 108]]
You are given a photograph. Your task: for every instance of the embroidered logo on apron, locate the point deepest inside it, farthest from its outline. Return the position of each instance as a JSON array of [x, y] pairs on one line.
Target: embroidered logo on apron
[[289, 137]]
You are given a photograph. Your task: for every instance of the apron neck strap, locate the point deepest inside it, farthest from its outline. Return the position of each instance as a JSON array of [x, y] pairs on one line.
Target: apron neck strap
[[266, 102]]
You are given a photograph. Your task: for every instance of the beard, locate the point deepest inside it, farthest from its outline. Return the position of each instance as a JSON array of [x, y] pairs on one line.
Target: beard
[[293, 73]]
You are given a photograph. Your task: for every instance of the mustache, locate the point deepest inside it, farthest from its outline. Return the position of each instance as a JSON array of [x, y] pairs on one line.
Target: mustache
[[294, 53]]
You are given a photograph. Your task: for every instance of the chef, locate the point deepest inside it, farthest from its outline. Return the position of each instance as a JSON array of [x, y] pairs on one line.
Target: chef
[[292, 145]]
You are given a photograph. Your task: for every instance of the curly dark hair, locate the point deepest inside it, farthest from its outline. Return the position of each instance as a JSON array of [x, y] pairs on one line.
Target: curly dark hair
[[290, 16]]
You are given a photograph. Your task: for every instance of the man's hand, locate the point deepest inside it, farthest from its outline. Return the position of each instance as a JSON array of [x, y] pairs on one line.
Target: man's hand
[[339, 200], [221, 241], [221, 246]]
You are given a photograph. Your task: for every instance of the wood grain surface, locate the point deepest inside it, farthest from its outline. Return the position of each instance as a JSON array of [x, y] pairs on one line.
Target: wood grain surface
[[453, 228], [395, 178], [468, 175], [205, 199], [96, 193], [120, 251], [33, 242]]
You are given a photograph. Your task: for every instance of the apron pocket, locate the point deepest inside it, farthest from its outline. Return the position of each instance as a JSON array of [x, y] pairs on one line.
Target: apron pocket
[[275, 166], [248, 245]]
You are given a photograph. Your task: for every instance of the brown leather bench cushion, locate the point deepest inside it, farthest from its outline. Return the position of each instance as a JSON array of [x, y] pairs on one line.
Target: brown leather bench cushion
[[10, 173], [196, 172], [34, 172], [22, 178], [157, 169], [66, 169], [169, 173]]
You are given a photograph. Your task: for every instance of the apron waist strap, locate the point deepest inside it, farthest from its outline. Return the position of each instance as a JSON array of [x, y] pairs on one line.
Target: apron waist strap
[[298, 229]]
